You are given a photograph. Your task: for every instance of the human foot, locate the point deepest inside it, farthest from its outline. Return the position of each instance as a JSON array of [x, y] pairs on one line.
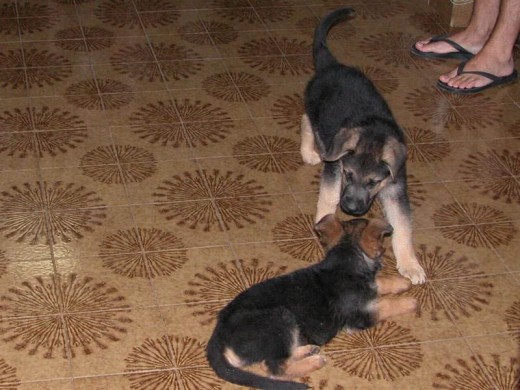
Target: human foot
[[441, 47], [481, 72]]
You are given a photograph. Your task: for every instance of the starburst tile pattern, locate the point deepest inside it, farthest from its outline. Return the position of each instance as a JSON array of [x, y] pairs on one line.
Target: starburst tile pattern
[[453, 289], [426, 145], [8, 378], [250, 15], [292, 236], [51, 315], [197, 33], [150, 171], [224, 86], [24, 131], [268, 154], [498, 167], [118, 165], [4, 261], [170, 362], [142, 252], [394, 54], [119, 13], [236, 198], [474, 225], [42, 67], [43, 212], [288, 111], [99, 94], [265, 54], [138, 61], [203, 123], [501, 373], [387, 352], [26, 17], [84, 38], [218, 284], [512, 319]]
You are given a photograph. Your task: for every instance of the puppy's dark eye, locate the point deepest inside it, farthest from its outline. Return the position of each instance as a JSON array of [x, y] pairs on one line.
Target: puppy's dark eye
[[372, 183]]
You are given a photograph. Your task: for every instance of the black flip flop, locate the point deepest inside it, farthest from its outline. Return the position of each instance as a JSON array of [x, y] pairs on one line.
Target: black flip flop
[[495, 80], [460, 54]]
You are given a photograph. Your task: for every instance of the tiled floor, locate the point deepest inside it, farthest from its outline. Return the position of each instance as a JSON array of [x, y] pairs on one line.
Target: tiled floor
[[150, 171]]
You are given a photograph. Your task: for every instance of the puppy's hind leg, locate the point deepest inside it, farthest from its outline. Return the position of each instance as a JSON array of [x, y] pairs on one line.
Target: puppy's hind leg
[[392, 284], [330, 190], [398, 214], [307, 147], [297, 368], [384, 308]]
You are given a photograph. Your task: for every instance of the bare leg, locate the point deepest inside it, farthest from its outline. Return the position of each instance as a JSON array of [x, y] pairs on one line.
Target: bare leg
[[474, 36], [496, 57]]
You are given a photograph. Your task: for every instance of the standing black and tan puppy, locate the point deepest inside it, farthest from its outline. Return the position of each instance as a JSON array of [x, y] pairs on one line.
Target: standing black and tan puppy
[[348, 125], [280, 323]]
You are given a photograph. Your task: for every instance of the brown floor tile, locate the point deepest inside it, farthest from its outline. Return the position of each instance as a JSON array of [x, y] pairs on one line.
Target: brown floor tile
[[259, 173], [116, 267], [198, 277], [95, 224], [208, 74], [509, 252], [196, 223], [46, 25], [274, 210], [150, 171], [128, 77], [232, 19], [494, 360], [160, 141], [503, 293], [126, 331], [48, 385], [239, 138], [112, 24]]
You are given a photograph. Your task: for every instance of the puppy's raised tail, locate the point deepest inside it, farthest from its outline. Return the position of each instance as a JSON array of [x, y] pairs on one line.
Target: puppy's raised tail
[[323, 58], [221, 366]]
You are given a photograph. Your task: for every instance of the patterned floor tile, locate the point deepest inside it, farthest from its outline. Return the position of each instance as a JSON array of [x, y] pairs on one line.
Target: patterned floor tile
[[150, 171]]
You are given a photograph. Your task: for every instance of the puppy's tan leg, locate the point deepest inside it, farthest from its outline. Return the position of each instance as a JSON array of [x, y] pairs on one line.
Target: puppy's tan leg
[[307, 148], [330, 190], [304, 351], [302, 367], [385, 308], [392, 284], [400, 219]]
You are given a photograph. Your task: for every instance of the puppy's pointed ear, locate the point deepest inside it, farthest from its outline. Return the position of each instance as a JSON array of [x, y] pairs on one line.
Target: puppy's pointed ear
[[371, 241], [344, 141], [329, 230], [394, 156]]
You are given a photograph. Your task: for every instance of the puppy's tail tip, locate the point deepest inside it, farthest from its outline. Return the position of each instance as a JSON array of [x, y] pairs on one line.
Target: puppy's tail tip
[[219, 364], [322, 56]]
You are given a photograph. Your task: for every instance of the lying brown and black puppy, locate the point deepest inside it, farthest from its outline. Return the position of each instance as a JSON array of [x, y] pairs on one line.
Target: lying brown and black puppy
[[281, 322]]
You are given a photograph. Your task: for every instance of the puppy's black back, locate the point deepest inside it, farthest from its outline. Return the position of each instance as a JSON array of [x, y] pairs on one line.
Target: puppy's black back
[[342, 96]]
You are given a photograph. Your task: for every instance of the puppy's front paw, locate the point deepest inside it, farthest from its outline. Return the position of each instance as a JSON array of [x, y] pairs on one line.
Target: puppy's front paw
[[412, 271], [310, 157]]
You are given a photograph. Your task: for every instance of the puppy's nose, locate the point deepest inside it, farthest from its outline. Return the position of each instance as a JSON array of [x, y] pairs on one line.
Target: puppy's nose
[[353, 208]]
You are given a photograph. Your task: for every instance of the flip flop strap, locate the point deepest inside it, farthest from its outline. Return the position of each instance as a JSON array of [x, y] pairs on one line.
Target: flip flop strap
[[460, 70], [455, 45]]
